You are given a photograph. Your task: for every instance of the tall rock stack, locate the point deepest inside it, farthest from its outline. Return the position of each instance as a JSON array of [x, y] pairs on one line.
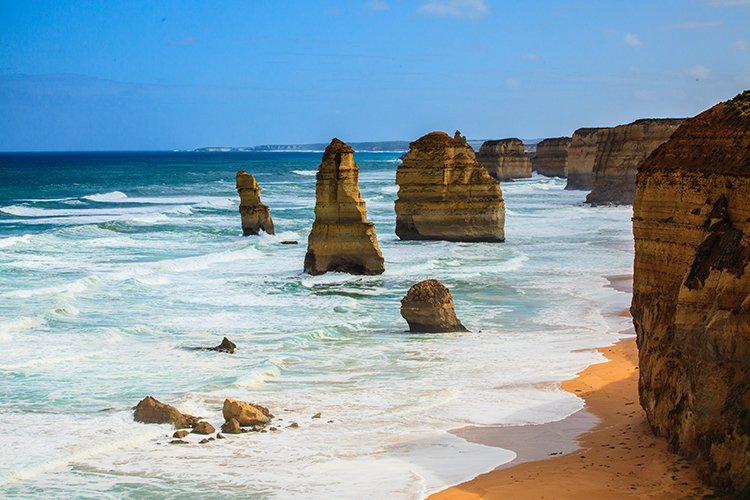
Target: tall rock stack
[[445, 194], [620, 152], [255, 215], [505, 159], [551, 157], [691, 300], [581, 158], [341, 238]]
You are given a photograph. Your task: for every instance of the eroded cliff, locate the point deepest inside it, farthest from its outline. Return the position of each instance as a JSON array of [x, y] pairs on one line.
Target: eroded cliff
[[620, 152], [445, 194], [255, 215], [505, 159], [551, 157], [581, 158], [341, 238], [691, 301]]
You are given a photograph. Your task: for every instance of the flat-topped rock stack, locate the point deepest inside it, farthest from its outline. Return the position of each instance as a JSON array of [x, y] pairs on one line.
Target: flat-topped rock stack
[[620, 151], [691, 300], [505, 159], [255, 215], [551, 157], [581, 158], [445, 194], [341, 238]]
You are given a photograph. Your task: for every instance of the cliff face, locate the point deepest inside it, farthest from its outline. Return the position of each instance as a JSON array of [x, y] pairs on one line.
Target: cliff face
[[341, 238], [691, 301], [255, 215], [581, 157], [620, 151], [505, 159], [445, 194], [551, 157]]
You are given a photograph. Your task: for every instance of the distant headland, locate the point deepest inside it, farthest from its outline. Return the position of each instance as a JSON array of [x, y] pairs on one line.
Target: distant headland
[[372, 147]]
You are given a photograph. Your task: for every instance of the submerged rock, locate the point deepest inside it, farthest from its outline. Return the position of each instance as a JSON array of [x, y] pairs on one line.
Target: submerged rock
[[245, 413], [551, 157], [180, 434], [203, 428], [226, 346], [445, 194], [691, 295], [505, 159], [428, 307], [581, 158], [341, 239], [255, 215], [152, 411]]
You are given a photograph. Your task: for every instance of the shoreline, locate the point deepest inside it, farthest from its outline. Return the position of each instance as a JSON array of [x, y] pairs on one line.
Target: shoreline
[[605, 450]]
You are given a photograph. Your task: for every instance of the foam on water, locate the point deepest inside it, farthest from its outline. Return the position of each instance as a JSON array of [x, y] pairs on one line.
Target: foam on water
[[101, 299]]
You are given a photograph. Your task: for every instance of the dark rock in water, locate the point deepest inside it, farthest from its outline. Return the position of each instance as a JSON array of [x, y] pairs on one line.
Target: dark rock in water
[[226, 346], [428, 307], [317, 415], [274, 429], [245, 413], [180, 434], [203, 428], [178, 441], [232, 426], [152, 411], [203, 441], [293, 425], [220, 436], [289, 242]]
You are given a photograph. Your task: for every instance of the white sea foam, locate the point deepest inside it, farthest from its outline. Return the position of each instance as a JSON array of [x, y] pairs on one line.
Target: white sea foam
[[113, 196], [14, 240], [306, 173]]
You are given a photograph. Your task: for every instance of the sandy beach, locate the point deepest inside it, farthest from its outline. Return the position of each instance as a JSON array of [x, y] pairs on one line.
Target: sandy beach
[[617, 458]]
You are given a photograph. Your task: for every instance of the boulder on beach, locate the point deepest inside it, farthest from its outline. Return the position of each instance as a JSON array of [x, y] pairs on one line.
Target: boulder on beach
[[203, 428], [341, 238], [231, 426], [153, 411], [428, 307], [245, 413], [255, 215]]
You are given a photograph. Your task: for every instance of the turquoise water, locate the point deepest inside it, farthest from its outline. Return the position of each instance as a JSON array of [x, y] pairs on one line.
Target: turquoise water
[[112, 264]]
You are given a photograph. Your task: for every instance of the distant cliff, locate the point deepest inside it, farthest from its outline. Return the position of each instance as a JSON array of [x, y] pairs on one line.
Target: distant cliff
[[551, 157], [505, 159], [375, 147], [691, 297], [581, 158]]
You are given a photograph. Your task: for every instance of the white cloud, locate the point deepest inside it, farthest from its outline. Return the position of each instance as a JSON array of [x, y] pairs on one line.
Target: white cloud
[[741, 45], [632, 40], [729, 3], [699, 72], [377, 5], [462, 9]]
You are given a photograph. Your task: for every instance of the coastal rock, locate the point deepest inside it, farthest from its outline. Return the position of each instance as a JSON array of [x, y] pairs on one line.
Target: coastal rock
[[180, 434], [445, 194], [341, 239], [226, 346], [245, 413], [551, 157], [231, 426], [203, 428], [152, 411], [691, 300], [581, 157], [505, 159], [620, 151], [255, 215], [428, 307]]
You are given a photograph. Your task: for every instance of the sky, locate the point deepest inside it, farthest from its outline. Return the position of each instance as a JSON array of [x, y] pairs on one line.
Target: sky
[[165, 75]]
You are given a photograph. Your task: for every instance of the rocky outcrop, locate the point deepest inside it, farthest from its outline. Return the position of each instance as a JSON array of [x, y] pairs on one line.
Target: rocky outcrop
[[620, 152], [341, 238], [245, 413], [428, 307], [255, 215], [691, 301], [505, 159], [551, 157], [153, 411], [226, 346], [203, 428], [445, 194], [581, 157]]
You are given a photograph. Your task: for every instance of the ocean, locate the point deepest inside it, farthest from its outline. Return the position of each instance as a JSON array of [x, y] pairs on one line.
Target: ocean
[[113, 264]]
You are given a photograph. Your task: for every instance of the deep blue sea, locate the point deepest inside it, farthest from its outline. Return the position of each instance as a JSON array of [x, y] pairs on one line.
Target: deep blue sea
[[111, 264]]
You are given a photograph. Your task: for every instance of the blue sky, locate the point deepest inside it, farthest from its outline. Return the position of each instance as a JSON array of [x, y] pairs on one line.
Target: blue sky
[[94, 75]]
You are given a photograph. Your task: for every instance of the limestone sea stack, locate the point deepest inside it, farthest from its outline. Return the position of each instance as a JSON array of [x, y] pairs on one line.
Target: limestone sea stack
[[445, 194], [551, 157], [255, 215], [341, 238], [581, 157], [691, 300], [505, 159], [620, 152], [428, 307]]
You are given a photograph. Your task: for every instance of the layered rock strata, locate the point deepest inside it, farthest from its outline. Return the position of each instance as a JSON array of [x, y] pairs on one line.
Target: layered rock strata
[[620, 152], [341, 238], [581, 158], [505, 159], [428, 307], [255, 215], [551, 157], [691, 301], [445, 194]]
